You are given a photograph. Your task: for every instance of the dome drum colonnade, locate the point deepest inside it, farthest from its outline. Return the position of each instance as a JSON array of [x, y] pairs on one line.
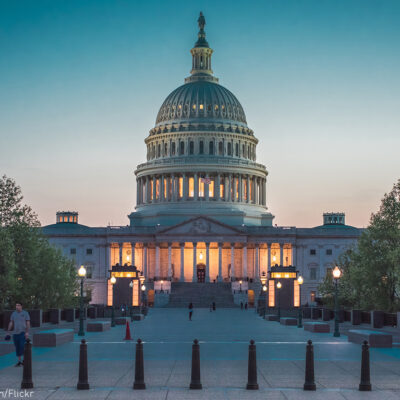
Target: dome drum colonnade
[[190, 255]]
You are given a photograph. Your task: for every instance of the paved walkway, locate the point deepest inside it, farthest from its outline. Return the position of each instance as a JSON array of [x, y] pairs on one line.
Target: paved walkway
[[224, 336]]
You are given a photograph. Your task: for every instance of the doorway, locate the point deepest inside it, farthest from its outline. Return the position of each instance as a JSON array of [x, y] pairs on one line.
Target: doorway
[[201, 273]]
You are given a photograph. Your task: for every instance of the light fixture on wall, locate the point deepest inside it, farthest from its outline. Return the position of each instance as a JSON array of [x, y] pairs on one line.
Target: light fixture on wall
[[201, 256]]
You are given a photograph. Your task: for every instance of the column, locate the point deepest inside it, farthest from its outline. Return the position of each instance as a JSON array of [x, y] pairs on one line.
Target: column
[[194, 278], [257, 262], [294, 261], [157, 271], [147, 189], [264, 191], [108, 257], [182, 277], [269, 263], [233, 261], [240, 188], [206, 190], [185, 187], [217, 188], [168, 198], [145, 269], [173, 197], [137, 190], [207, 262], [234, 188], [196, 187], [230, 188], [169, 261], [120, 253], [162, 188], [245, 261], [154, 189], [226, 188], [133, 253], [248, 189], [281, 254], [254, 201], [219, 262]]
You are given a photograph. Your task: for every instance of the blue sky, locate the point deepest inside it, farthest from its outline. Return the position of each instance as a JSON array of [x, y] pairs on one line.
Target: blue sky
[[81, 83]]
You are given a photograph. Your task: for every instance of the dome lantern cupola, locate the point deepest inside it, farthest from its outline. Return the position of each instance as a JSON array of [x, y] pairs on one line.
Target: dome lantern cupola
[[201, 57]]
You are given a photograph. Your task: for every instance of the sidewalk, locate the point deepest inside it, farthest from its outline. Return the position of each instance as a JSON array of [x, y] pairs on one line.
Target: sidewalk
[[224, 337]]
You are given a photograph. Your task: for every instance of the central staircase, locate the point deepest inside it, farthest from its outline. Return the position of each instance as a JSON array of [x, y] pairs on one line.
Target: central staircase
[[201, 295]]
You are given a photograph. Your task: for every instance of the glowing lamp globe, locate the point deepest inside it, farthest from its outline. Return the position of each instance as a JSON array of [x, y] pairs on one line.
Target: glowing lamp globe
[[82, 271]]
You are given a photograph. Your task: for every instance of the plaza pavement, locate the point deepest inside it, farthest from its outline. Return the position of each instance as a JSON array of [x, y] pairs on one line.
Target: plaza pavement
[[224, 337]]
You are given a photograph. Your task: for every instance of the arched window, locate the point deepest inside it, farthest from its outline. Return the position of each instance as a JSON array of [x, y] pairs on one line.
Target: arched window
[[243, 152], [248, 152], [165, 149], [182, 148], [173, 149], [201, 147], [237, 149], [220, 148], [159, 150], [229, 149], [191, 147], [211, 148]]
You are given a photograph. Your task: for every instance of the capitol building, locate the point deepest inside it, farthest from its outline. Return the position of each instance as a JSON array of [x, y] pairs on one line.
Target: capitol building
[[201, 217]]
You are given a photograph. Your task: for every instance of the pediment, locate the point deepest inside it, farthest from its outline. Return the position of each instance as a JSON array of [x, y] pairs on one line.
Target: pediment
[[201, 226]]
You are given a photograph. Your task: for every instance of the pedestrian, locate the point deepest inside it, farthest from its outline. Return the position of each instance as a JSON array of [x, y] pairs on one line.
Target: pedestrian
[[19, 324], [241, 305], [190, 311], [214, 306], [245, 306]]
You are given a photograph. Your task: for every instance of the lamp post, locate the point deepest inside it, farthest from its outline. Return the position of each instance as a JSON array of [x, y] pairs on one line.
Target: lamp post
[[264, 291], [336, 275], [82, 274], [162, 291], [300, 281], [240, 286], [130, 305], [113, 280], [279, 285], [143, 290]]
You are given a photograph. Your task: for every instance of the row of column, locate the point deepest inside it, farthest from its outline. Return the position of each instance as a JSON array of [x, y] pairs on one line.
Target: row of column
[[157, 274], [174, 187]]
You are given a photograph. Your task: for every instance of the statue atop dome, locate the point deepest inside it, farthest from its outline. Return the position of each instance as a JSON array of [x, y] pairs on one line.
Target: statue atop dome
[[201, 21]]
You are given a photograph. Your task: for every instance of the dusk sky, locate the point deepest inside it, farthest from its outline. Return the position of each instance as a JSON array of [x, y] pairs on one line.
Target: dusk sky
[[81, 83]]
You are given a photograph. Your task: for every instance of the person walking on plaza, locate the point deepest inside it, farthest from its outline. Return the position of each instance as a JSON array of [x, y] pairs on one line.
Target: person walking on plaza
[[241, 305], [19, 324], [214, 306], [190, 311]]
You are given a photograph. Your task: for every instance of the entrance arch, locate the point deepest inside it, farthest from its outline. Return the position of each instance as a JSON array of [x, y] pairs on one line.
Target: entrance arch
[[250, 298], [201, 273]]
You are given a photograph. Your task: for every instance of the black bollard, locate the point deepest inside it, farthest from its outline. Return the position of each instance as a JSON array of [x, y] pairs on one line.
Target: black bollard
[[83, 383], [365, 383], [27, 372], [195, 382], [309, 383], [252, 368], [139, 367]]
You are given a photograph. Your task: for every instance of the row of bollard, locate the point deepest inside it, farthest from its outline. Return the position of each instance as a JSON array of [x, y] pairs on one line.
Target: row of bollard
[[195, 382]]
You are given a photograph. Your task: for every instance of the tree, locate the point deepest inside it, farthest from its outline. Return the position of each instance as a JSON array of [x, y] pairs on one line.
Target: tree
[[32, 271], [371, 270]]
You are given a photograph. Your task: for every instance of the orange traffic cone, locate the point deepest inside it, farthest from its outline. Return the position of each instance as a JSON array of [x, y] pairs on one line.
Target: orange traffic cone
[[128, 332]]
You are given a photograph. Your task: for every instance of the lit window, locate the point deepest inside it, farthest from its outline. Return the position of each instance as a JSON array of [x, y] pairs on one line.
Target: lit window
[[65, 219], [180, 186], [180, 106], [216, 107], [201, 106], [312, 297], [201, 187], [165, 188], [70, 218], [237, 189], [157, 188], [191, 187], [221, 190], [194, 106], [151, 189], [211, 188]]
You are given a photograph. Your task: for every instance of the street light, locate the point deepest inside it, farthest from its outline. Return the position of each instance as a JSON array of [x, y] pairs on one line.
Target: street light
[[240, 286], [300, 281], [279, 285], [113, 280], [162, 287], [337, 273], [143, 289], [82, 274]]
